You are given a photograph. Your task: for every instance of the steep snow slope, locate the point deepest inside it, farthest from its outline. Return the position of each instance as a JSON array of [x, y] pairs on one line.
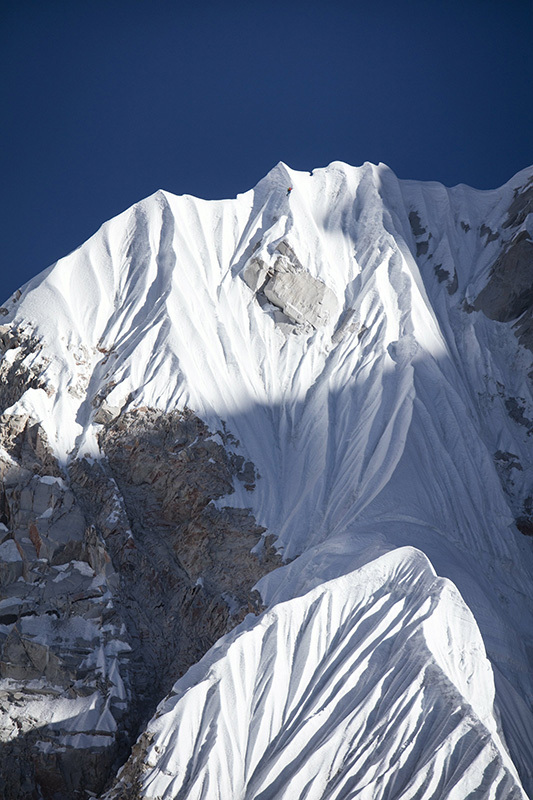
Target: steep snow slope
[[374, 685], [403, 420]]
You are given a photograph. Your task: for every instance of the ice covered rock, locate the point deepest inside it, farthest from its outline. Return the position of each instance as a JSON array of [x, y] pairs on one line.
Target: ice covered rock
[[302, 298], [255, 274]]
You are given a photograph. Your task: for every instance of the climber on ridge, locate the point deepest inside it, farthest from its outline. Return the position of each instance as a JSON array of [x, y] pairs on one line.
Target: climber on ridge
[[289, 190]]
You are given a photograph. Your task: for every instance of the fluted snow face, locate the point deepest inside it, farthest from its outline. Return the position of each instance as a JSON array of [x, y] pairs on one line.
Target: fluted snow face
[[376, 431], [374, 685]]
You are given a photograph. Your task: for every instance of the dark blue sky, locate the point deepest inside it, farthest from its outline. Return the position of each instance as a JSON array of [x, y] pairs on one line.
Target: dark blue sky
[[105, 102]]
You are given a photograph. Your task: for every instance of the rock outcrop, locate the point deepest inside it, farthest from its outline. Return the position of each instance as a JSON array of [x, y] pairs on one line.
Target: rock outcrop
[[303, 299], [186, 566], [62, 643], [508, 294], [114, 579]]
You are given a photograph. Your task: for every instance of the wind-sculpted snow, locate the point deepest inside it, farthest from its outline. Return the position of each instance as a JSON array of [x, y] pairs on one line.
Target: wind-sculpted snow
[[374, 685], [404, 418]]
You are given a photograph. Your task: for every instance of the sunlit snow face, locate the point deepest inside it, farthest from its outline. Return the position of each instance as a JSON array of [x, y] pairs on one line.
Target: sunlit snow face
[[373, 426]]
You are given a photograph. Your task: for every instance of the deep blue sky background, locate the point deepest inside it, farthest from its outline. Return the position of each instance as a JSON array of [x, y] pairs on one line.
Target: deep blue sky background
[[105, 102]]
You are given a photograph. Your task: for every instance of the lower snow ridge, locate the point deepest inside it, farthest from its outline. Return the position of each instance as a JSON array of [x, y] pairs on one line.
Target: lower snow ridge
[[374, 685]]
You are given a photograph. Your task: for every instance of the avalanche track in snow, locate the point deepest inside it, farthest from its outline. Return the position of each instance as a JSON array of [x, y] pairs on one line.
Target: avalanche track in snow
[[339, 336]]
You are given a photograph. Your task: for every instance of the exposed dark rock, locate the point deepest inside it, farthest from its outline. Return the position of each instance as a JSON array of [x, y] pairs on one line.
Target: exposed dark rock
[[416, 224], [510, 459], [129, 786], [521, 206], [509, 291], [60, 638], [524, 521], [525, 525], [131, 561], [422, 248], [185, 566], [16, 376], [452, 285], [491, 235], [508, 294], [507, 465], [441, 273], [444, 276], [515, 408]]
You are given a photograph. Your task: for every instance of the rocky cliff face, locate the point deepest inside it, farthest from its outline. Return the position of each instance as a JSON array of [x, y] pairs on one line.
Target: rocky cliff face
[[63, 646], [115, 578], [508, 294]]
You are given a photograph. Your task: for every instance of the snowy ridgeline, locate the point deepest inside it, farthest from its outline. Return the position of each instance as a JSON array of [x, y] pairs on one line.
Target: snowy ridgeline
[[344, 336], [374, 685]]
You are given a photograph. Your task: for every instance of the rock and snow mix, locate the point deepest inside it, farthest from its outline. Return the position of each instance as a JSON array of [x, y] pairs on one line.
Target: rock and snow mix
[[356, 344], [373, 685]]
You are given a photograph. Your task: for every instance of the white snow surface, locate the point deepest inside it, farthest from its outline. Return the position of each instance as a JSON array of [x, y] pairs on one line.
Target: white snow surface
[[373, 434], [374, 685]]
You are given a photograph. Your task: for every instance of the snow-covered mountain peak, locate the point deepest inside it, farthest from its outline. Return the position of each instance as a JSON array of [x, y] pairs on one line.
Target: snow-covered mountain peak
[[337, 368]]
